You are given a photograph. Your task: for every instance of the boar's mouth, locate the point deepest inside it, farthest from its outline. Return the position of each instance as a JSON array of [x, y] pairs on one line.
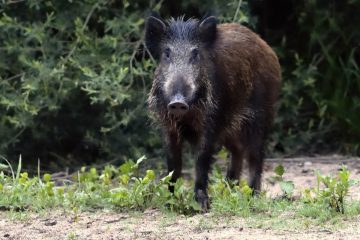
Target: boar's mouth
[[178, 105]]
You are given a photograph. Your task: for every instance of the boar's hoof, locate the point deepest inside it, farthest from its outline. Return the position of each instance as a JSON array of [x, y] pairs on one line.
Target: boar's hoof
[[202, 198]]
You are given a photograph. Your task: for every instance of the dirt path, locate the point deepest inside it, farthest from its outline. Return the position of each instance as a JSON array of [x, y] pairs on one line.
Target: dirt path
[[152, 224], [155, 225]]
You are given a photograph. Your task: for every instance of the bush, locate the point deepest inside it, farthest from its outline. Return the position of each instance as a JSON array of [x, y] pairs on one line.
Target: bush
[[74, 76], [318, 108], [73, 81]]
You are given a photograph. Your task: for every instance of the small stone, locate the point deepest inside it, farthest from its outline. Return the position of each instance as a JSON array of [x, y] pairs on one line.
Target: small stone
[[50, 223], [305, 170], [308, 164], [306, 167]]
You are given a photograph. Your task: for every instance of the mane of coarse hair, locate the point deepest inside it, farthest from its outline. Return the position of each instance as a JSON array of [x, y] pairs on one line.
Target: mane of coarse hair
[[182, 29]]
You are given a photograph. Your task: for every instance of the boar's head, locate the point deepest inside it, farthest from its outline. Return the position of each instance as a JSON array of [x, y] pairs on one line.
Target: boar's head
[[183, 49]]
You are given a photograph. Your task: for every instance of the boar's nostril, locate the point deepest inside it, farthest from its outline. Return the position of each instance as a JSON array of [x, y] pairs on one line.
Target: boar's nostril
[[178, 107]]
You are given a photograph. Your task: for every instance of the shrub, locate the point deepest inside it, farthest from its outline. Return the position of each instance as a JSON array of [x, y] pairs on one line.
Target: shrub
[[74, 76]]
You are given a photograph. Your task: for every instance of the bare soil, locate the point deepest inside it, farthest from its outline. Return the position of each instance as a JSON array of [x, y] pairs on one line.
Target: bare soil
[[153, 224]]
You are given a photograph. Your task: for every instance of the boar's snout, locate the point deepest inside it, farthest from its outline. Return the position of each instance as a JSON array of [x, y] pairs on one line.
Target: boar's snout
[[177, 105]]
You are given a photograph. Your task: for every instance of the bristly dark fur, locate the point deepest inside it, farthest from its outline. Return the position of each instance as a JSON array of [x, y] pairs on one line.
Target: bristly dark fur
[[233, 106], [182, 30]]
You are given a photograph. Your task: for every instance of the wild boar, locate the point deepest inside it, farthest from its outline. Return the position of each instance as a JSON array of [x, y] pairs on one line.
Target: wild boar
[[215, 85]]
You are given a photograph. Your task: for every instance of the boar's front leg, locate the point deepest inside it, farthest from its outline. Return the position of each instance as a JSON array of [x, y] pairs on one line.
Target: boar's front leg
[[174, 156], [203, 165]]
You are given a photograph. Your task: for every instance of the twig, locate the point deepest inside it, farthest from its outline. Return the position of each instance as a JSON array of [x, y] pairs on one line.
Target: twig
[[14, 2], [151, 56], [16, 136], [237, 10], [15, 76], [82, 29], [131, 62]]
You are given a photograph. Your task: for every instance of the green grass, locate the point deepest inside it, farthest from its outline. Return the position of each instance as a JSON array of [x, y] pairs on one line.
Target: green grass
[[71, 236], [128, 189]]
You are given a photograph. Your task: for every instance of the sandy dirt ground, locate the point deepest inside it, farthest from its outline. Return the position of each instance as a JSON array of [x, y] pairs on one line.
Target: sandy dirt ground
[[153, 224]]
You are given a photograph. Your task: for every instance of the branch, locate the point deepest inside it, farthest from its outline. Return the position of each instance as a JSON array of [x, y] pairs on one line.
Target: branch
[[82, 29], [237, 10]]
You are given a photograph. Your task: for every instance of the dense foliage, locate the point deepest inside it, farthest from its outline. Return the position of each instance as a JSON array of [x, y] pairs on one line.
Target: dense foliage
[[74, 75]]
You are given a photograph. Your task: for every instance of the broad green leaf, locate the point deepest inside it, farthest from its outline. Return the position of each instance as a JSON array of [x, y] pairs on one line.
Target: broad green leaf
[[279, 170], [47, 177], [287, 187]]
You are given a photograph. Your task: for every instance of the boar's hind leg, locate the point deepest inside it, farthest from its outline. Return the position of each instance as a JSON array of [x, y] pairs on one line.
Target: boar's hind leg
[[256, 137], [174, 157], [256, 162], [237, 154]]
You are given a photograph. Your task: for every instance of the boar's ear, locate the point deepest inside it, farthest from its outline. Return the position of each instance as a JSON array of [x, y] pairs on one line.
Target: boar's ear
[[155, 29], [207, 30]]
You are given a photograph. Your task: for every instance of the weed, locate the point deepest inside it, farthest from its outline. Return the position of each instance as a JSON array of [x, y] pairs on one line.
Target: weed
[[334, 192], [128, 189], [203, 225], [287, 187], [71, 236]]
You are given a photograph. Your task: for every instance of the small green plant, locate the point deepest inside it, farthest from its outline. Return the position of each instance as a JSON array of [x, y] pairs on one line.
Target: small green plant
[[182, 200], [287, 187], [71, 236], [230, 197], [334, 192]]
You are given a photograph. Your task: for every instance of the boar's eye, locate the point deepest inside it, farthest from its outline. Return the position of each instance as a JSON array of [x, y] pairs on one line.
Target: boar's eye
[[194, 56], [167, 53]]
